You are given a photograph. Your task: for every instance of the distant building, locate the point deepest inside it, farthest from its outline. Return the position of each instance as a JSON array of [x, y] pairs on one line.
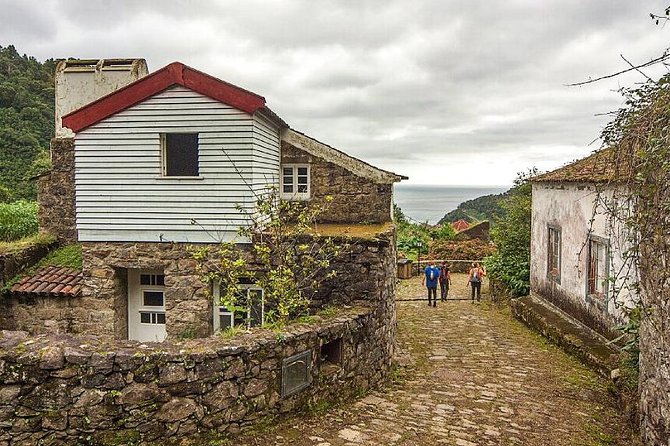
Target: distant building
[[460, 225]]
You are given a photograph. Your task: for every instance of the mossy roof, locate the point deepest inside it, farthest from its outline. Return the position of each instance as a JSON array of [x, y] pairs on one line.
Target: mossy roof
[[599, 167]]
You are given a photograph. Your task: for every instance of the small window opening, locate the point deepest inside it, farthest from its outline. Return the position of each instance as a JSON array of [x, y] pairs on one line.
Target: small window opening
[[180, 154], [331, 352], [296, 373]]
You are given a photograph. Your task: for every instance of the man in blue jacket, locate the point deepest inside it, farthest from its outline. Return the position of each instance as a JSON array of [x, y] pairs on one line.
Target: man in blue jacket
[[430, 279]]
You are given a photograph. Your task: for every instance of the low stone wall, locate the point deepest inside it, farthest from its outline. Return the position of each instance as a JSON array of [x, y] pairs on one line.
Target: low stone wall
[[63, 390], [354, 199], [586, 313], [56, 193]]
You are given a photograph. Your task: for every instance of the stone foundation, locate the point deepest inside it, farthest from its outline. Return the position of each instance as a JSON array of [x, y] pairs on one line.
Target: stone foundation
[[354, 199], [366, 271], [56, 193]]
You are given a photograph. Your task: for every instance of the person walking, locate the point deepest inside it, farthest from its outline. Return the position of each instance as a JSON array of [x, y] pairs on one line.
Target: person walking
[[430, 278], [475, 277], [445, 281]]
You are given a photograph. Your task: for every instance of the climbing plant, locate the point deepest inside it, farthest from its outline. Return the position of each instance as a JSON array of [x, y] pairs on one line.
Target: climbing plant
[[639, 137]]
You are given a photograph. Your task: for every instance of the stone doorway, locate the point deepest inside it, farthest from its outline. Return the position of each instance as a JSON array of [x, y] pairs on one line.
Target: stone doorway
[[146, 305]]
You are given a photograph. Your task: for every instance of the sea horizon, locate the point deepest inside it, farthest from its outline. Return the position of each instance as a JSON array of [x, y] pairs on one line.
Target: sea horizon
[[429, 203]]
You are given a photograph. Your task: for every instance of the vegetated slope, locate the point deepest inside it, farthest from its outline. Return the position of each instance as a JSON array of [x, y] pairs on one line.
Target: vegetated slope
[[478, 209], [26, 119]]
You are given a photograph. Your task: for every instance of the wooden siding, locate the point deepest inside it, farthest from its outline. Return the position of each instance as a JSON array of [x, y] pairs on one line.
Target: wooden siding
[[121, 194]]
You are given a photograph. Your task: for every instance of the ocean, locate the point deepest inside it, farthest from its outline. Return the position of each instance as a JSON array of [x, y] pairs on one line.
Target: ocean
[[430, 203]]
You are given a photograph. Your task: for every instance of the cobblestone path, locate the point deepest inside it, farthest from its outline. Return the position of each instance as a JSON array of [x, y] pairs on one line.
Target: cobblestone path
[[473, 376]]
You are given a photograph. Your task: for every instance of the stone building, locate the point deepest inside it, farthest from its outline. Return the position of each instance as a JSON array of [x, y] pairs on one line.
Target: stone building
[[578, 250], [147, 167]]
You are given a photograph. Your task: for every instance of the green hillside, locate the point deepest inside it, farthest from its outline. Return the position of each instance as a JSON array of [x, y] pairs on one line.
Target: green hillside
[[482, 208], [26, 119]]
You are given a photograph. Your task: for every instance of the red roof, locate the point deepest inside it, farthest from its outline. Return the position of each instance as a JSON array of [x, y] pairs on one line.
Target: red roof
[[51, 281], [174, 74], [460, 225]]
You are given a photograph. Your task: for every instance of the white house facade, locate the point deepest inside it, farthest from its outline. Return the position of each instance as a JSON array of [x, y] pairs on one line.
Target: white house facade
[[579, 248]]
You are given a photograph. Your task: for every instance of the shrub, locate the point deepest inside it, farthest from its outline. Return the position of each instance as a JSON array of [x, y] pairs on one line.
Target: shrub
[[17, 220], [473, 249]]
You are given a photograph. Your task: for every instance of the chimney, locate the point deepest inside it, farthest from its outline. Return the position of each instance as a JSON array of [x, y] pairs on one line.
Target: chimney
[[81, 81]]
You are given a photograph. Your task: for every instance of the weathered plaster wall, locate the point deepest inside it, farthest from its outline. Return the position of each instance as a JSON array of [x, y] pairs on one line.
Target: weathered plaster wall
[[354, 199], [63, 390], [570, 207], [56, 193]]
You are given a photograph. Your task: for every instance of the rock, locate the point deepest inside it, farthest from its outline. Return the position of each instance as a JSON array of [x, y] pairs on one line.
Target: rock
[[615, 374], [52, 358], [171, 373], [176, 409]]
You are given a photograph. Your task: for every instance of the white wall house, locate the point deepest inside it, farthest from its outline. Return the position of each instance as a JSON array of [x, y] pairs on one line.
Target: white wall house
[[170, 157], [578, 251]]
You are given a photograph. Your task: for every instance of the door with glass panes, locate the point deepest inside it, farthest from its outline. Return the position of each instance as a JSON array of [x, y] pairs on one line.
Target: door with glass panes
[[146, 306]]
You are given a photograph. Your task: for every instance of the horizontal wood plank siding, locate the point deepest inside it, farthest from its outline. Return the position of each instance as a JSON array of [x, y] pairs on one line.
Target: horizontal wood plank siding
[[121, 193], [266, 153]]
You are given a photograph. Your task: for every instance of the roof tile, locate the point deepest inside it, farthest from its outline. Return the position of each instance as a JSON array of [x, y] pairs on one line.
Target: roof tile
[[53, 281]]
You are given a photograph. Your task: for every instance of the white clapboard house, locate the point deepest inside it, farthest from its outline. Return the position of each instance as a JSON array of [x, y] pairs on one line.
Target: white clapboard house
[[164, 159]]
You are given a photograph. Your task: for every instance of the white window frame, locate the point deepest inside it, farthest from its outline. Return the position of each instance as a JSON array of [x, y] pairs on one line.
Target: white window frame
[[217, 307], [557, 251], [294, 195], [153, 311], [602, 275]]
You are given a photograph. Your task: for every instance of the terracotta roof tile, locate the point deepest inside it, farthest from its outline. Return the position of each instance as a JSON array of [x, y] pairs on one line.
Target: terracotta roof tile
[[52, 281]]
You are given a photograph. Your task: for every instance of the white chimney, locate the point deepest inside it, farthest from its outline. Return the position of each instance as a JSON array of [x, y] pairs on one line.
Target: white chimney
[[81, 81]]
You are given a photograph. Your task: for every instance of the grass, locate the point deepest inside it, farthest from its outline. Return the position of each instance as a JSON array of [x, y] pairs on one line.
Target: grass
[[26, 242], [68, 256], [18, 219]]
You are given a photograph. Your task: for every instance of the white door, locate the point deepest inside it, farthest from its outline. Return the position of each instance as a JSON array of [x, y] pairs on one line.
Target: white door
[[146, 306]]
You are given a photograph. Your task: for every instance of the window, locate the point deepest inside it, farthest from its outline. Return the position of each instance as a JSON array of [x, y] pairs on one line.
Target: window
[[251, 299], [295, 182], [597, 268], [554, 255], [180, 154], [295, 374], [152, 303]]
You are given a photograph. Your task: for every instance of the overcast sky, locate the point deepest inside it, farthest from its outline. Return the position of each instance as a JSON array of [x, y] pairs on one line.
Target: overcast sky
[[444, 91]]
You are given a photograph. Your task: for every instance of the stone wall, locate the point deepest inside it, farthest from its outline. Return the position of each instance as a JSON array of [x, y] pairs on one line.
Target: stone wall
[[366, 271], [41, 314], [355, 199], [56, 193], [62, 390], [654, 378]]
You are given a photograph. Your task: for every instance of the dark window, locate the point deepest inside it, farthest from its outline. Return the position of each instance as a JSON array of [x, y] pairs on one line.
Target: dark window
[[180, 154], [331, 352], [296, 373], [554, 255], [152, 279], [153, 299]]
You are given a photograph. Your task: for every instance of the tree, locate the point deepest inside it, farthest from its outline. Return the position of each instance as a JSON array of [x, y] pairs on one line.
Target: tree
[[511, 234], [286, 258]]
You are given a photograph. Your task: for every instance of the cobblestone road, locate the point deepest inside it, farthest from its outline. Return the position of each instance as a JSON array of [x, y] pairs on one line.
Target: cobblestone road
[[474, 376]]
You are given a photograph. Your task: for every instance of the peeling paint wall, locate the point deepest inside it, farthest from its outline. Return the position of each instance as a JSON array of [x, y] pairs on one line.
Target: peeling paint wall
[[80, 82], [570, 207]]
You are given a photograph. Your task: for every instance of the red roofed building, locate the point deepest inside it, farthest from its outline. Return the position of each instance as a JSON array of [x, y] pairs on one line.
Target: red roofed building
[[147, 165], [460, 225]]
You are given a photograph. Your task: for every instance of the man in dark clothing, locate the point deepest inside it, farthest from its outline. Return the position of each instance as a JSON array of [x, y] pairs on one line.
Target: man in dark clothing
[[430, 278], [445, 281]]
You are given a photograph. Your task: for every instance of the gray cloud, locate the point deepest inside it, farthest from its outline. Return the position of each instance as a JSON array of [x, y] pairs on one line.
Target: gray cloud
[[436, 89]]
